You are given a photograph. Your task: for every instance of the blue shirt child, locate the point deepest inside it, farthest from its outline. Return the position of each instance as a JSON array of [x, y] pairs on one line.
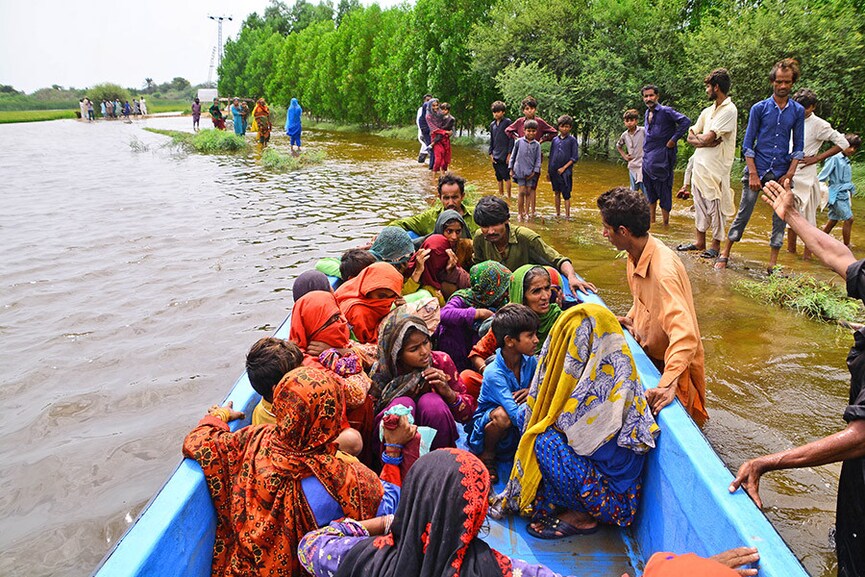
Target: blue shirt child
[[497, 390]]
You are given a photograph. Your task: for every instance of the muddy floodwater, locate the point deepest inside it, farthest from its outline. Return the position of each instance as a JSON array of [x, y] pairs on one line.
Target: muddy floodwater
[[135, 278]]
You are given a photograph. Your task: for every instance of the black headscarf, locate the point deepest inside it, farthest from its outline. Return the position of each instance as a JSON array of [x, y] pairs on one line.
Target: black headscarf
[[442, 221], [308, 281], [434, 533]]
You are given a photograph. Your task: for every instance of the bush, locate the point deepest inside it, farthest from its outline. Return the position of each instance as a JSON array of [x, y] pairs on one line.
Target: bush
[[273, 159], [206, 141], [805, 295], [107, 91]]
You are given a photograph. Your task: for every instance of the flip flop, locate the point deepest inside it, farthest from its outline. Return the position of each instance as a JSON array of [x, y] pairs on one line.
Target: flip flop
[[687, 247], [710, 253], [554, 528], [493, 470], [721, 263]]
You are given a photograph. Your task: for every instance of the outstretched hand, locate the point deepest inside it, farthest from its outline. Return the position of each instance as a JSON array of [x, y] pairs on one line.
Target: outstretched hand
[[748, 477], [229, 406], [780, 198]]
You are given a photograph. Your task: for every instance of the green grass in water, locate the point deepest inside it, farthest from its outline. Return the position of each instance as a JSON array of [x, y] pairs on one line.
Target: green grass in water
[[205, 141], [273, 159], [806, 295], [9, 116]]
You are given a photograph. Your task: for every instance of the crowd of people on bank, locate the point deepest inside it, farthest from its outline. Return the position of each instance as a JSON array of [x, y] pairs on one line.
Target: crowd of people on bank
[[112, 109], [238, 110], [457, 319]]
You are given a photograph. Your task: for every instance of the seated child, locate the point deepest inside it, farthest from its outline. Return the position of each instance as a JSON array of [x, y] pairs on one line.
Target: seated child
[[267, 362], [498, 420], [839, 175], [353, 261]]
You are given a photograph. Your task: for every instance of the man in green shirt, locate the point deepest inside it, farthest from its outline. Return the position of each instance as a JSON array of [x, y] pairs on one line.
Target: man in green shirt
[[452, 192], [515, 246]]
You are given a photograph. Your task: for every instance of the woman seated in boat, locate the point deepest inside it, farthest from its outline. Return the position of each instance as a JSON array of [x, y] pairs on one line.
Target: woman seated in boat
[[453, 227], [434, 268], [530, 285], [320, 330], [308, 281], [409, 373], [394, 246], [587, 431], [271, 484], [467, 309], [367, 298], [433, 532]]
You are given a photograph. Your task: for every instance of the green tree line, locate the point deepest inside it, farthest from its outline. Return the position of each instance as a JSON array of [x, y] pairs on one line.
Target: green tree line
[[587, 58]]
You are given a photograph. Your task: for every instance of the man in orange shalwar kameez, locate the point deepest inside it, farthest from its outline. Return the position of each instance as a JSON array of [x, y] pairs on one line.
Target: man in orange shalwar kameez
[[662, 318]]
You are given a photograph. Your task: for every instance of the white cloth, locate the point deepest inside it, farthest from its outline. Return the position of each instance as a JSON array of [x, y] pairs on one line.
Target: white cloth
[[633, 143], [712, 164], [707, 215], [142, 105], [423, 146], [806, 187]]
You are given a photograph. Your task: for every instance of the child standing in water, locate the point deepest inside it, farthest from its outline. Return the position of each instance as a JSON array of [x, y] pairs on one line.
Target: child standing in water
[[441, 132], [564, 152], [525, 168], [839, 175], [543, 133], [501, 146], [630, 147]]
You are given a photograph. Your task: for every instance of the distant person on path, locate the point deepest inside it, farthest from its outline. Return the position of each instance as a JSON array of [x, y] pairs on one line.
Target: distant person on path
[[564, 153], [216, 115], [118, 108], [293, 123], [806, 186], [630, 147], [714, 137], [766, 148], [501, 147], [847, 446], [244, 115], [143, 106], [236, 116], [423, 130], [127, 109], [662, 318], [109, 109], [261, 114], [103, 109], [136, 107], [196, 114], [82, 109], [664, 127], [90, 115], [525, 168], [514, 246], [838, 174]]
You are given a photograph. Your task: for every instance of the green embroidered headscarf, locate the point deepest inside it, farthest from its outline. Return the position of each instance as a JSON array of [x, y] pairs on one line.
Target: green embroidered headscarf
[[517, 293], [490, 281]]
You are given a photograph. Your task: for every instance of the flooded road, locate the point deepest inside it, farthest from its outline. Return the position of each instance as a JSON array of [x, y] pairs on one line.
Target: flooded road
[[134, 280]]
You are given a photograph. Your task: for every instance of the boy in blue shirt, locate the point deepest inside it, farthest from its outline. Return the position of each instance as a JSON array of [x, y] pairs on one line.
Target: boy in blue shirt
[[838, 174], [564, 152], [500, 415]]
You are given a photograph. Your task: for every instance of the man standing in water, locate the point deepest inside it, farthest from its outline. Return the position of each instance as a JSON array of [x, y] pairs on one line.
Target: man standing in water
[[664, 126], [662, 318], [848, 445], [714, 137], [766, 149]]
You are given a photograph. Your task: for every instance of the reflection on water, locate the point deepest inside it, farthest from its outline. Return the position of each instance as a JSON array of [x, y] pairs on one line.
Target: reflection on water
[[134, 282]]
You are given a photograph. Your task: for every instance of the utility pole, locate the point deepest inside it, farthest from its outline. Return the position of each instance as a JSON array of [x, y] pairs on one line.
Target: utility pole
[[219, 19]]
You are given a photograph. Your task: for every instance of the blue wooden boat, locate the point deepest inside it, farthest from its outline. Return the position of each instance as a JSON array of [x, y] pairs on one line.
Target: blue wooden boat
[[685, 507]]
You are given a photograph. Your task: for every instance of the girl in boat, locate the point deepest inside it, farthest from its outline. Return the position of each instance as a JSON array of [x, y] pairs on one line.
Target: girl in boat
[[409, 373], [440, 272], [468, 308], [271, 484], [367, 298], [434, 531], [587, 431], [292, 124], [261, 114]]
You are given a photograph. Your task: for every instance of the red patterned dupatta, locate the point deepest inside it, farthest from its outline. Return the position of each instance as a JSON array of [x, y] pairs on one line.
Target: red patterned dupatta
[[442, 507], [254, 476]]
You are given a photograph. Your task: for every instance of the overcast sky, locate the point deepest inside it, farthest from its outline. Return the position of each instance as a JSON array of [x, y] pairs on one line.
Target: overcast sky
[[45, 42]]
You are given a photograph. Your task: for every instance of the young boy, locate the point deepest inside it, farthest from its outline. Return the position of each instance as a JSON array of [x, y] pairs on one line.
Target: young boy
[[632, 141], [529, 107], [353, 261], [839, 176], [501, 410], [501, 146], [564, 152], [267, 362], [525, 167]]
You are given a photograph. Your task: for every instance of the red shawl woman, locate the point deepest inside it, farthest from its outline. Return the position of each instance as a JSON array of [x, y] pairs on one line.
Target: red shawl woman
[[361, 304], [254, 476]]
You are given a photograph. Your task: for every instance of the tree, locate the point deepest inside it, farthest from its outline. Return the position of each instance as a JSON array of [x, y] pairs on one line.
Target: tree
[[149, 85], [108, 91]]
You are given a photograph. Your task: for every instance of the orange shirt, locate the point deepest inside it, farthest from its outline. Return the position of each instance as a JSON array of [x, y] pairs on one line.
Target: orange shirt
[[664, 317]]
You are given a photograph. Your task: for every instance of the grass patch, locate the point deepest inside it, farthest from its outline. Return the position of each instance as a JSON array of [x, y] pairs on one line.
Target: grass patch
[[273, 159], [205, 141], [9, 116], [806, 295]]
